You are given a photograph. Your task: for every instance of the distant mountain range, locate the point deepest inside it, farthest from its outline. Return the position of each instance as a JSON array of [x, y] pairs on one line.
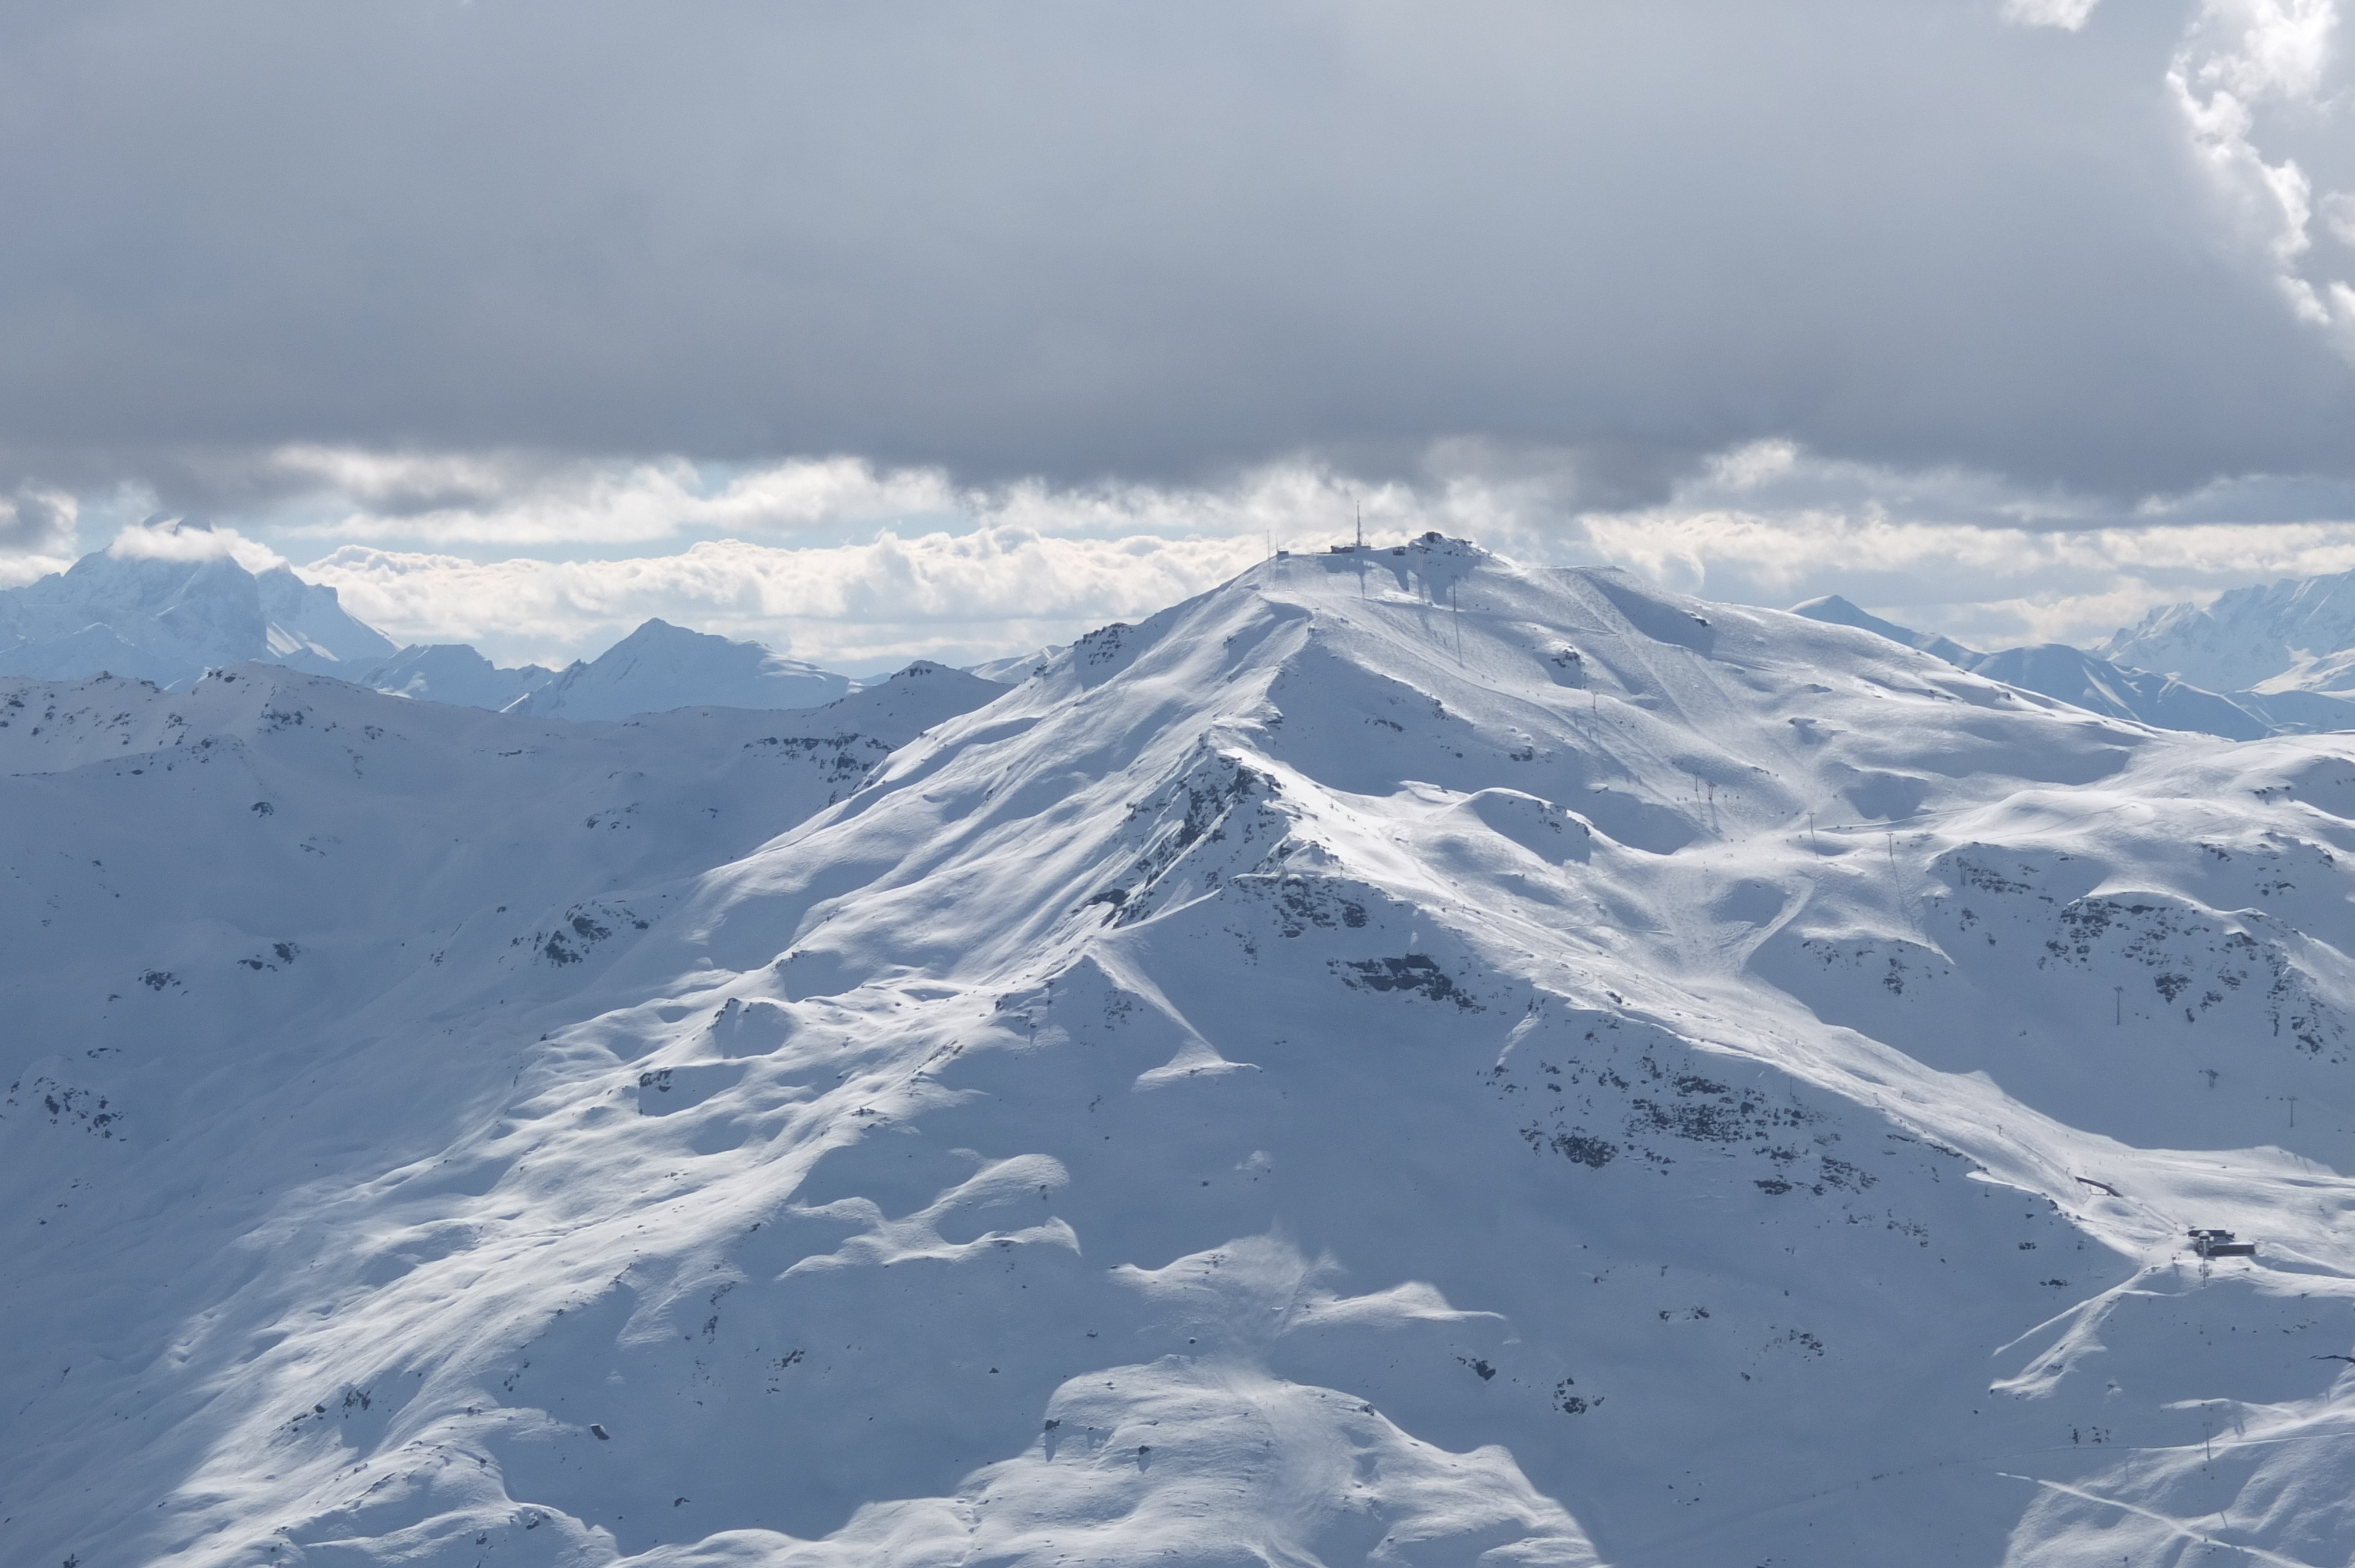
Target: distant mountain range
[[168, 621], [653, 670], [2294, 635], [2261, 661], [2246, 640]]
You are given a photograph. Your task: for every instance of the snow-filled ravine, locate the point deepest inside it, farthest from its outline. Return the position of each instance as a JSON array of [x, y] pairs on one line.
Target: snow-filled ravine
[[1402, 1060]]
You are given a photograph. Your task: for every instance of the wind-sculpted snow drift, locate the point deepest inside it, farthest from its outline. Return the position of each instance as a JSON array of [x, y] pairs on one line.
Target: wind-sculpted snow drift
[[1401, 1060]]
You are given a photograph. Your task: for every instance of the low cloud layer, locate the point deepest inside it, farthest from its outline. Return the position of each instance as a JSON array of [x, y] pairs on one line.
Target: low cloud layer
[[846, 564], [852, 606]]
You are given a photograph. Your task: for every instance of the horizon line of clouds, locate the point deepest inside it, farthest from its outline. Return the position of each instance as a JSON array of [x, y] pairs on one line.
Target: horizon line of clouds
[[963, 573]]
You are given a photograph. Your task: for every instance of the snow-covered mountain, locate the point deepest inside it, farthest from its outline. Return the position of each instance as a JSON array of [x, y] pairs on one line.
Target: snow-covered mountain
[[661, 666], [169, 620], [2278, 637], [654, 669], [1835, 610], [1016, 668], [455, 672], [1317, 1077], [2105, 686]]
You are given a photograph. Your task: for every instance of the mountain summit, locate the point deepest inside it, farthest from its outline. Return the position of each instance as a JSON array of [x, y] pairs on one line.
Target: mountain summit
[[168, 620], [1401, 1059], [662, 666]]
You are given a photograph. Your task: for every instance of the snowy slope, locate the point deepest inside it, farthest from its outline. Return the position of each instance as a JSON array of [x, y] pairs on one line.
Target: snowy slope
[[1311, 1078], [660, 666], [168, 621]]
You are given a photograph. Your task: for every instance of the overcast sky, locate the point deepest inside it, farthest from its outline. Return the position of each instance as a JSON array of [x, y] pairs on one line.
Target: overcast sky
[[884, 328]]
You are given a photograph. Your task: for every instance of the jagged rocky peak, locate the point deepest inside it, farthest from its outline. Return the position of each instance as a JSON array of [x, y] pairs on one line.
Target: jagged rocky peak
[[2267, 636], [168, 617]]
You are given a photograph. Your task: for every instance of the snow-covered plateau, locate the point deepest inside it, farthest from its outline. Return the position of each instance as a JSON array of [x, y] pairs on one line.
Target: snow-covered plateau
[[1401, 1060]]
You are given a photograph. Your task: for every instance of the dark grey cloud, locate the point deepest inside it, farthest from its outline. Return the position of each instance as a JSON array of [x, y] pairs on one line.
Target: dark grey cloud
[[34, 522], [1075, 238]]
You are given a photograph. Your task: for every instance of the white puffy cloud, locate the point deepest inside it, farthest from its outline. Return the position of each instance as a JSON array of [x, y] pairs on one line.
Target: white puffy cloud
[[965, 597], [15, 571], [1910, 302], [2338, 211], [1987, 586], [456, 501], [2068, 16], [178, 540], [473, 499], [2243, 69]]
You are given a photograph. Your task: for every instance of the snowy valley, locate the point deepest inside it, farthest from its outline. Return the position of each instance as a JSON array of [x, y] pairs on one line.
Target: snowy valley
[[1405, 1059]]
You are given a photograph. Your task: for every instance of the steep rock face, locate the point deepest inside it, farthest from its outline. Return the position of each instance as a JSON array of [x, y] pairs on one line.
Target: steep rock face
[[308, 627], [168, 621], [1399, 1060], [660, 666]]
